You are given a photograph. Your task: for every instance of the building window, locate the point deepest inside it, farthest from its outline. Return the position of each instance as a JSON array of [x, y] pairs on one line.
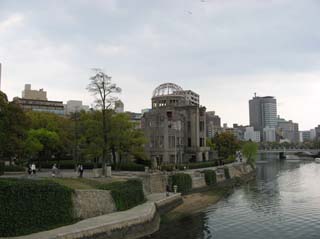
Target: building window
[[172, 158], [189, 126], [169, 115], [189, 142], [201, 124], [201, 142]]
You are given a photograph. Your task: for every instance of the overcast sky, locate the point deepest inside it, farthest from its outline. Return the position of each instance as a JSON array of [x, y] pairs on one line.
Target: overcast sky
[[225, 50]]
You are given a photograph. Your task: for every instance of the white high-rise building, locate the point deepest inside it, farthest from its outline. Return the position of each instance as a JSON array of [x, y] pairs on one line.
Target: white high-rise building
[[269, 134], [251, 134]]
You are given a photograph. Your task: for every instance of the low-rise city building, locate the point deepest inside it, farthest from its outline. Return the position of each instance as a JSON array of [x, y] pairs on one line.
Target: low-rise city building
[[73, 106], [36, 100]]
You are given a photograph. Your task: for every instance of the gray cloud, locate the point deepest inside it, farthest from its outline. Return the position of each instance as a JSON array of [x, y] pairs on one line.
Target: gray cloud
[[224, 50]]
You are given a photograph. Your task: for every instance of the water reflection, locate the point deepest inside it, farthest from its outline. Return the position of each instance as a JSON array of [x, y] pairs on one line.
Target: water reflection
[[283, 202]]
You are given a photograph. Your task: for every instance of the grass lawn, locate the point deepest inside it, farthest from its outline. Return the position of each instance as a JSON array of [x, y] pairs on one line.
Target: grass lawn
[[83, 183]]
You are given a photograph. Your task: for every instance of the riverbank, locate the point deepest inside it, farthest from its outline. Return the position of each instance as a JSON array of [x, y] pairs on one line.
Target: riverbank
[[198, 200]]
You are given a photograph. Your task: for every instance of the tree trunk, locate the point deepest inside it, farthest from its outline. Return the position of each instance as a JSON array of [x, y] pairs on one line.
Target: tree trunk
[[105, 141], [114, 156]]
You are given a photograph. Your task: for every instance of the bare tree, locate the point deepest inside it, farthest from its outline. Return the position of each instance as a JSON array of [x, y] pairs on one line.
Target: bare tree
[[103, 89]]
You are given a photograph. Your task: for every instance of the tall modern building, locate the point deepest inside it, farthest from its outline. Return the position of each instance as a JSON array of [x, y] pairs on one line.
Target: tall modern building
[[213, 123], [263, 113], [175, 126]]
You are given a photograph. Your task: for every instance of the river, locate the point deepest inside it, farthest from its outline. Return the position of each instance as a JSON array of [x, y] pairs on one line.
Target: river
[[282, 203]]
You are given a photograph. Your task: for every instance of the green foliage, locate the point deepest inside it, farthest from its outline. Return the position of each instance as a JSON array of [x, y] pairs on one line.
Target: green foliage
[[41, 142], [230, 159], [125, 194], [226, 144], [129, 166], [13, 125], [28, 206], [171, 167], [250, 151], [201, 165], [182, 180], [226, 172], [14, 168], [210, 177], [211, 144], [1, 168]]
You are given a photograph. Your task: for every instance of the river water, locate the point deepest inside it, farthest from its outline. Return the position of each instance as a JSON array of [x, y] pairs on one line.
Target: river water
[[282, 203]]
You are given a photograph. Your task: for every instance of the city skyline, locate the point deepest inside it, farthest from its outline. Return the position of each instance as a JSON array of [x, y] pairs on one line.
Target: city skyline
[[223, 51]]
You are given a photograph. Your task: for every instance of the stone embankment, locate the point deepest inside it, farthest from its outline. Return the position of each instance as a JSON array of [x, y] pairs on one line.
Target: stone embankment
[[134, 223], [137, 222]]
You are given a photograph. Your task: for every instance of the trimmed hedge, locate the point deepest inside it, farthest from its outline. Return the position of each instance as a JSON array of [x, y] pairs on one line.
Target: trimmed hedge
[[125, 194], [14, 168], [66, 164], [1, 168], [210, 177], [128, 167], [28, 206], [183, 181], [226, 172], [171, 167]]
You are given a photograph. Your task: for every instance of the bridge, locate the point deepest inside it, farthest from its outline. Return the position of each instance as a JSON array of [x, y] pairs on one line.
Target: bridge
[[290, 151]]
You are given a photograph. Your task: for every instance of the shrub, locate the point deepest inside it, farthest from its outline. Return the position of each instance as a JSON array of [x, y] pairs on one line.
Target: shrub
[[171, 167], [226, 172], [1, 168], [28, 206], [125, 194], [66, 164], [210, 177], [128, 167], [230, 159], [14, 168], [201, 165], [183, 181]]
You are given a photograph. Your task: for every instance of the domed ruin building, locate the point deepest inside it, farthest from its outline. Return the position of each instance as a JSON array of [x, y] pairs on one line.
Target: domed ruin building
[[175, 126]]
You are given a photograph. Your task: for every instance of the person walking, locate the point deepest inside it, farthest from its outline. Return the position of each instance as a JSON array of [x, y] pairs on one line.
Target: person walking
[[54, 170], [29, 169], [80, 170], [33, 169]]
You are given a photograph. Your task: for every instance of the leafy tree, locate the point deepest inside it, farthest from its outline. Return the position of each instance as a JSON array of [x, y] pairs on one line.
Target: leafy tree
[[13, 125], [91, 136], [226, 144], [41, 142], [210, 144], [62, 126], [125, 139], [250, 151], [102, 87]]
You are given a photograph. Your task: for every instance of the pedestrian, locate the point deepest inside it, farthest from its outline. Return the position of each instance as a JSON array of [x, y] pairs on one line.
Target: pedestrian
[[80, 170], [33, 169], [29, 169], [54, 170]]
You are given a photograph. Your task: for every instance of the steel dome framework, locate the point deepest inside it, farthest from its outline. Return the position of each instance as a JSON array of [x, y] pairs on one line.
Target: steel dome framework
[[166, 89]]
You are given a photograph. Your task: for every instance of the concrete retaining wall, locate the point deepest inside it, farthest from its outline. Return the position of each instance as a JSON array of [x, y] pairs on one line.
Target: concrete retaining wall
[[137, 222], [92, 203], [154, 183]]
